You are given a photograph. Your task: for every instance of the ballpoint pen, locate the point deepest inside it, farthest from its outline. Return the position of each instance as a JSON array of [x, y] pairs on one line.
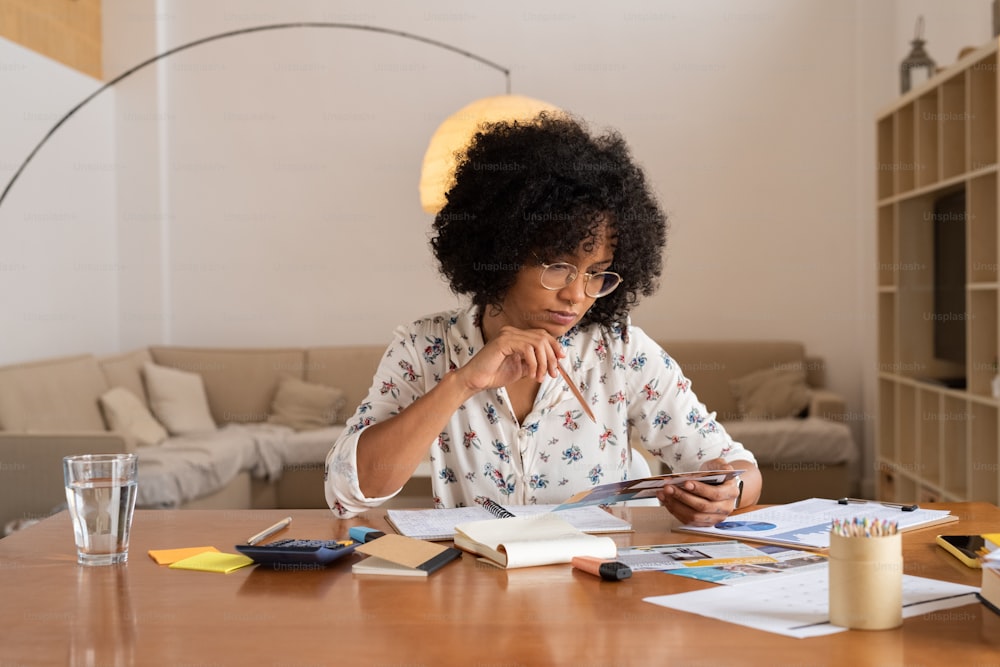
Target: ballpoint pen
[[906, 507], [268, 532]]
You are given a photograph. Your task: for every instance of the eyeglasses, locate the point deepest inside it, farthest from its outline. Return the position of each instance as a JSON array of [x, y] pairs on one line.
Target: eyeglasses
[[562, 274]]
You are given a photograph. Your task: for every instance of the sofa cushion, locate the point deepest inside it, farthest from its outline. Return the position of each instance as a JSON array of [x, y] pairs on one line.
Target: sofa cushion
[[240, 383], [771, 393], [125, 413], [710, 365], [304, 405], [125, 370], [349, 367], [790, 444], [193, 466], [56, 395], [305, 449], [177, 398]]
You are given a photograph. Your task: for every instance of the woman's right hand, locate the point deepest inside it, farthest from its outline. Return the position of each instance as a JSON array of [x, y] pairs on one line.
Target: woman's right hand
[[511, 355]]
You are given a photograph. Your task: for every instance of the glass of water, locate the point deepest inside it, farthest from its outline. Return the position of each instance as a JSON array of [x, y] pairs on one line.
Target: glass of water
[[100, 491]]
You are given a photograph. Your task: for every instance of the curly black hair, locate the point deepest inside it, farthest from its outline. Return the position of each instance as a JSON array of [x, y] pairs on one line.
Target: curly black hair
[[530, 191]]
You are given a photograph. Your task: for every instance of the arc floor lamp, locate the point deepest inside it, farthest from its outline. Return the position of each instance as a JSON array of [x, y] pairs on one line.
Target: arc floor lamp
[[439, 159]]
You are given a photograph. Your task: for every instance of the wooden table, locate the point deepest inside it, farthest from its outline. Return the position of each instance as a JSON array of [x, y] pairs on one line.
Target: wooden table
[[56, 612]]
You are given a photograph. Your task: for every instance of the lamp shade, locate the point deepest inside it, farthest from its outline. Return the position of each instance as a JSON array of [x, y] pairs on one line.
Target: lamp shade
[[455, 133]]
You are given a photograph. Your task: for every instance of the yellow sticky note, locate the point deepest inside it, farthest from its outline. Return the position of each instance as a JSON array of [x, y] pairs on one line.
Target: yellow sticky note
[[168, 556], [213, 561]]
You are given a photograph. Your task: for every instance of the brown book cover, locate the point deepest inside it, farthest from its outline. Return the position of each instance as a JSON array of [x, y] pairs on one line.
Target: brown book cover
[[403, 556]]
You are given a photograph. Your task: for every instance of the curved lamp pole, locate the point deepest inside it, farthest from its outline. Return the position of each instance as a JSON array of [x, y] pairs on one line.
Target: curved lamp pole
[[233, 33]]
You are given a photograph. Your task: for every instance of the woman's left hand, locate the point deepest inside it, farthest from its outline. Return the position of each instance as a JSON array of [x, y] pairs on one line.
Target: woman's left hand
[[699, 503]]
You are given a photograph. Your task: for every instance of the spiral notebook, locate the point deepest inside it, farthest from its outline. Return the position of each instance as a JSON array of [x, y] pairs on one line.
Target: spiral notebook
[[439, 524]]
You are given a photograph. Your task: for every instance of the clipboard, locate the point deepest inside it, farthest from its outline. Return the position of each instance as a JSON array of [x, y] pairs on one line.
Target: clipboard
[[805, 524]]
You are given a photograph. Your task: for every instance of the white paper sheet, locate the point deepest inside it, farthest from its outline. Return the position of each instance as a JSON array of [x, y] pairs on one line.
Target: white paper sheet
[[805, 524], [798, 606]]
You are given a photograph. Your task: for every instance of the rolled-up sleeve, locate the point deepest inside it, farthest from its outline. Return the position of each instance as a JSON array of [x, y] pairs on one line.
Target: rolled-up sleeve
[[398, 382], [666, 415]]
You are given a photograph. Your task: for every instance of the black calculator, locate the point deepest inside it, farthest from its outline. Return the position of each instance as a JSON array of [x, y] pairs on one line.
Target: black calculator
[[298, 552]]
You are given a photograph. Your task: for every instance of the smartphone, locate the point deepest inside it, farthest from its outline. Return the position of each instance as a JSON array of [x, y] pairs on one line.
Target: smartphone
[[965, 548]]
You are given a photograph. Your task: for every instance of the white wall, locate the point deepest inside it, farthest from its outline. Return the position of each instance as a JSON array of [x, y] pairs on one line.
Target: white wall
[[267, 182], [58, 254]]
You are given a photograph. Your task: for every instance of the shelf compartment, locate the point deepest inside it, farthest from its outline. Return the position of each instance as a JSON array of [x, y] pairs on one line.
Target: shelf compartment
[[984, 468], [906, 429], [927, 123], [885, 480], [886, 333], [927, 494], [983, 112], [886, 424], [954, 119], [982, 226], [981, 334], [914, 287], [886, 246], [904, 488], [886, 158], [954, 446], [915, 307], [904, 163], [930, 418]]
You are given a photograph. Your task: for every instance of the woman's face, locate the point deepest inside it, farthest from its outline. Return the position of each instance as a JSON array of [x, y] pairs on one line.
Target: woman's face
[[529, 305]]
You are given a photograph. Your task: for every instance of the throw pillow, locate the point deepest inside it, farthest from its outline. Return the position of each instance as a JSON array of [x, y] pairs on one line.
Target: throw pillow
[[178, 399], [305, 405], [771, 393], [125, 412]]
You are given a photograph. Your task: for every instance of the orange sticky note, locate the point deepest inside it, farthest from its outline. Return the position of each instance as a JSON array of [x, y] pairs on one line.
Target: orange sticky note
[[168, 556], [213, 561]]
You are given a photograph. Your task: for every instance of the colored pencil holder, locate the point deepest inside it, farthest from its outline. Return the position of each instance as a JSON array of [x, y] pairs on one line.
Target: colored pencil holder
[[866, 581]]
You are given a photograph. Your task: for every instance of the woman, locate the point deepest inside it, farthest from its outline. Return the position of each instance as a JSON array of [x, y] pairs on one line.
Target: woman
[[555, 235]]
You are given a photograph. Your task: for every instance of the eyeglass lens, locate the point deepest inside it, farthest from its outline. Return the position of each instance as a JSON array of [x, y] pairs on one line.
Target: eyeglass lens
[[559, 275]]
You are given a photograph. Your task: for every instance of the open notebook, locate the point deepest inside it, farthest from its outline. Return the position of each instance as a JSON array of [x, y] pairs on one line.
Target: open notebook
[[439, 524], [525, 541]]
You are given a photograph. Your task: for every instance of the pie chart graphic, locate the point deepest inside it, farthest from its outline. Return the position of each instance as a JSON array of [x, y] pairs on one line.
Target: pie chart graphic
[[745, 525]]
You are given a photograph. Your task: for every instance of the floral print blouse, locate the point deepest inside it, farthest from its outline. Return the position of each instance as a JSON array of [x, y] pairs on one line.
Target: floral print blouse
[[630, 382]]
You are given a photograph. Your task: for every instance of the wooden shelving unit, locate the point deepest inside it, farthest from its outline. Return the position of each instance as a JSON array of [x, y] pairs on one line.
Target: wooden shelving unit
[[938, 434]]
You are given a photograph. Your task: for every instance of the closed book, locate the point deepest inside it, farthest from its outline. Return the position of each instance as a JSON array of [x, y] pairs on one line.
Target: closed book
[[543, 539], [989, 592], [403, 556]]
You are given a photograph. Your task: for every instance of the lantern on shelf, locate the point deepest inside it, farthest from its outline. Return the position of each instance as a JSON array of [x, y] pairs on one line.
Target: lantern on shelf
[[917, 60]]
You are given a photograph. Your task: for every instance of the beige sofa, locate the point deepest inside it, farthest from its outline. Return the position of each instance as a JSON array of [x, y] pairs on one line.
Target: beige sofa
[[51, 408], [799, 457]]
